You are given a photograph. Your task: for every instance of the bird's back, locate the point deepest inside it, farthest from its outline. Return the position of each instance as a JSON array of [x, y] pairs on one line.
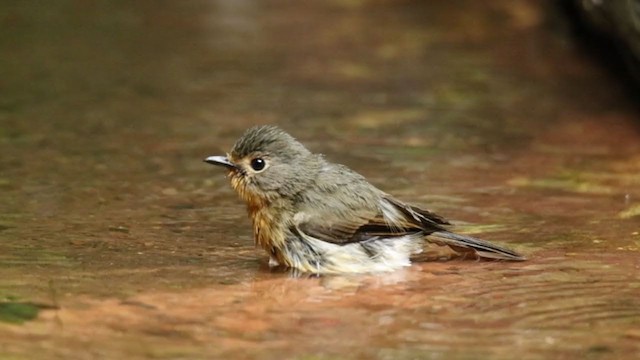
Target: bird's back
[[338, 191]]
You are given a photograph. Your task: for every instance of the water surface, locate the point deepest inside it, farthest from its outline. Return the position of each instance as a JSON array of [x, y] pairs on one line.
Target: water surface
[[490, 114]]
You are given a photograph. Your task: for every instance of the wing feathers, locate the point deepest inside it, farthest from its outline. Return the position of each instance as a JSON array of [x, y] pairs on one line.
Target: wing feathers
[[395, 219], [422, 217]]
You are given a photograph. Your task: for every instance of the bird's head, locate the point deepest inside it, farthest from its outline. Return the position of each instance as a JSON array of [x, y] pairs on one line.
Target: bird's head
[[266, 163]]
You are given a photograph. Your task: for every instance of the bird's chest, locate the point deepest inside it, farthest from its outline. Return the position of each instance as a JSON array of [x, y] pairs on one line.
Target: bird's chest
[[268, 228]]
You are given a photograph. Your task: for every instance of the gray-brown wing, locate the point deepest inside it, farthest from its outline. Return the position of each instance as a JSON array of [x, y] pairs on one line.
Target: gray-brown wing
[[343, 208], [353, 229], [394, 219], [390, 218]]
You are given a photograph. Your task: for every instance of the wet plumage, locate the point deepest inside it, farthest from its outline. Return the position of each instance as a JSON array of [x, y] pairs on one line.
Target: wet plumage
[[321, 217]]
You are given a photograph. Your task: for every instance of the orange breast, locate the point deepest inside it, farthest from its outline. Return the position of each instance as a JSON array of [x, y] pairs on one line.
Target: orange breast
[[268, 231]]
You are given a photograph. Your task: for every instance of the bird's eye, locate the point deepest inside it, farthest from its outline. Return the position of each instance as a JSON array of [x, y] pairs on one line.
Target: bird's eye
[[258, 164]]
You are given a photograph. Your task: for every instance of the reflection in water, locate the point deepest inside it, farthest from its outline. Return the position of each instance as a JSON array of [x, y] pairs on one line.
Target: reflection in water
[[484, 112]]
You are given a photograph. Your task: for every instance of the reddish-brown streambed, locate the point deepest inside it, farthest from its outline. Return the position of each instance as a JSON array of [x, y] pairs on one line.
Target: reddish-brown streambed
[[116, 241]]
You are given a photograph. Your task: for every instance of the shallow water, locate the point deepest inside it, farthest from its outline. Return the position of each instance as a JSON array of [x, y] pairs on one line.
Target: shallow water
[[125, 245]]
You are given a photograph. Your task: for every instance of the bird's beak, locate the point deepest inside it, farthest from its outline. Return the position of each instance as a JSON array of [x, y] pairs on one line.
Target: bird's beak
[[220, 161]]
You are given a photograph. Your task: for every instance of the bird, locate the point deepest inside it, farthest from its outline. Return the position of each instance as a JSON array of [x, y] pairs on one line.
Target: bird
[[320, 217]]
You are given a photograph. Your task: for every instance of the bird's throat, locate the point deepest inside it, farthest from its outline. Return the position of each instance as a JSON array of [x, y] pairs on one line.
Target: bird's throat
[[267, 224]]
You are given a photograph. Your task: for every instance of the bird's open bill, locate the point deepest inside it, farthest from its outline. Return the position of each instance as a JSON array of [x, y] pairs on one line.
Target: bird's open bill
[[220, 161]]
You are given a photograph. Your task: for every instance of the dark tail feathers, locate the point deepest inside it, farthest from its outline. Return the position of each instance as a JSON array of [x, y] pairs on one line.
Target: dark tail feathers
[[465, 244]]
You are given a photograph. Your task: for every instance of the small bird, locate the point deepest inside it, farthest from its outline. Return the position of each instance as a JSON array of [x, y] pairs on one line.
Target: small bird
[[320, 217]]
